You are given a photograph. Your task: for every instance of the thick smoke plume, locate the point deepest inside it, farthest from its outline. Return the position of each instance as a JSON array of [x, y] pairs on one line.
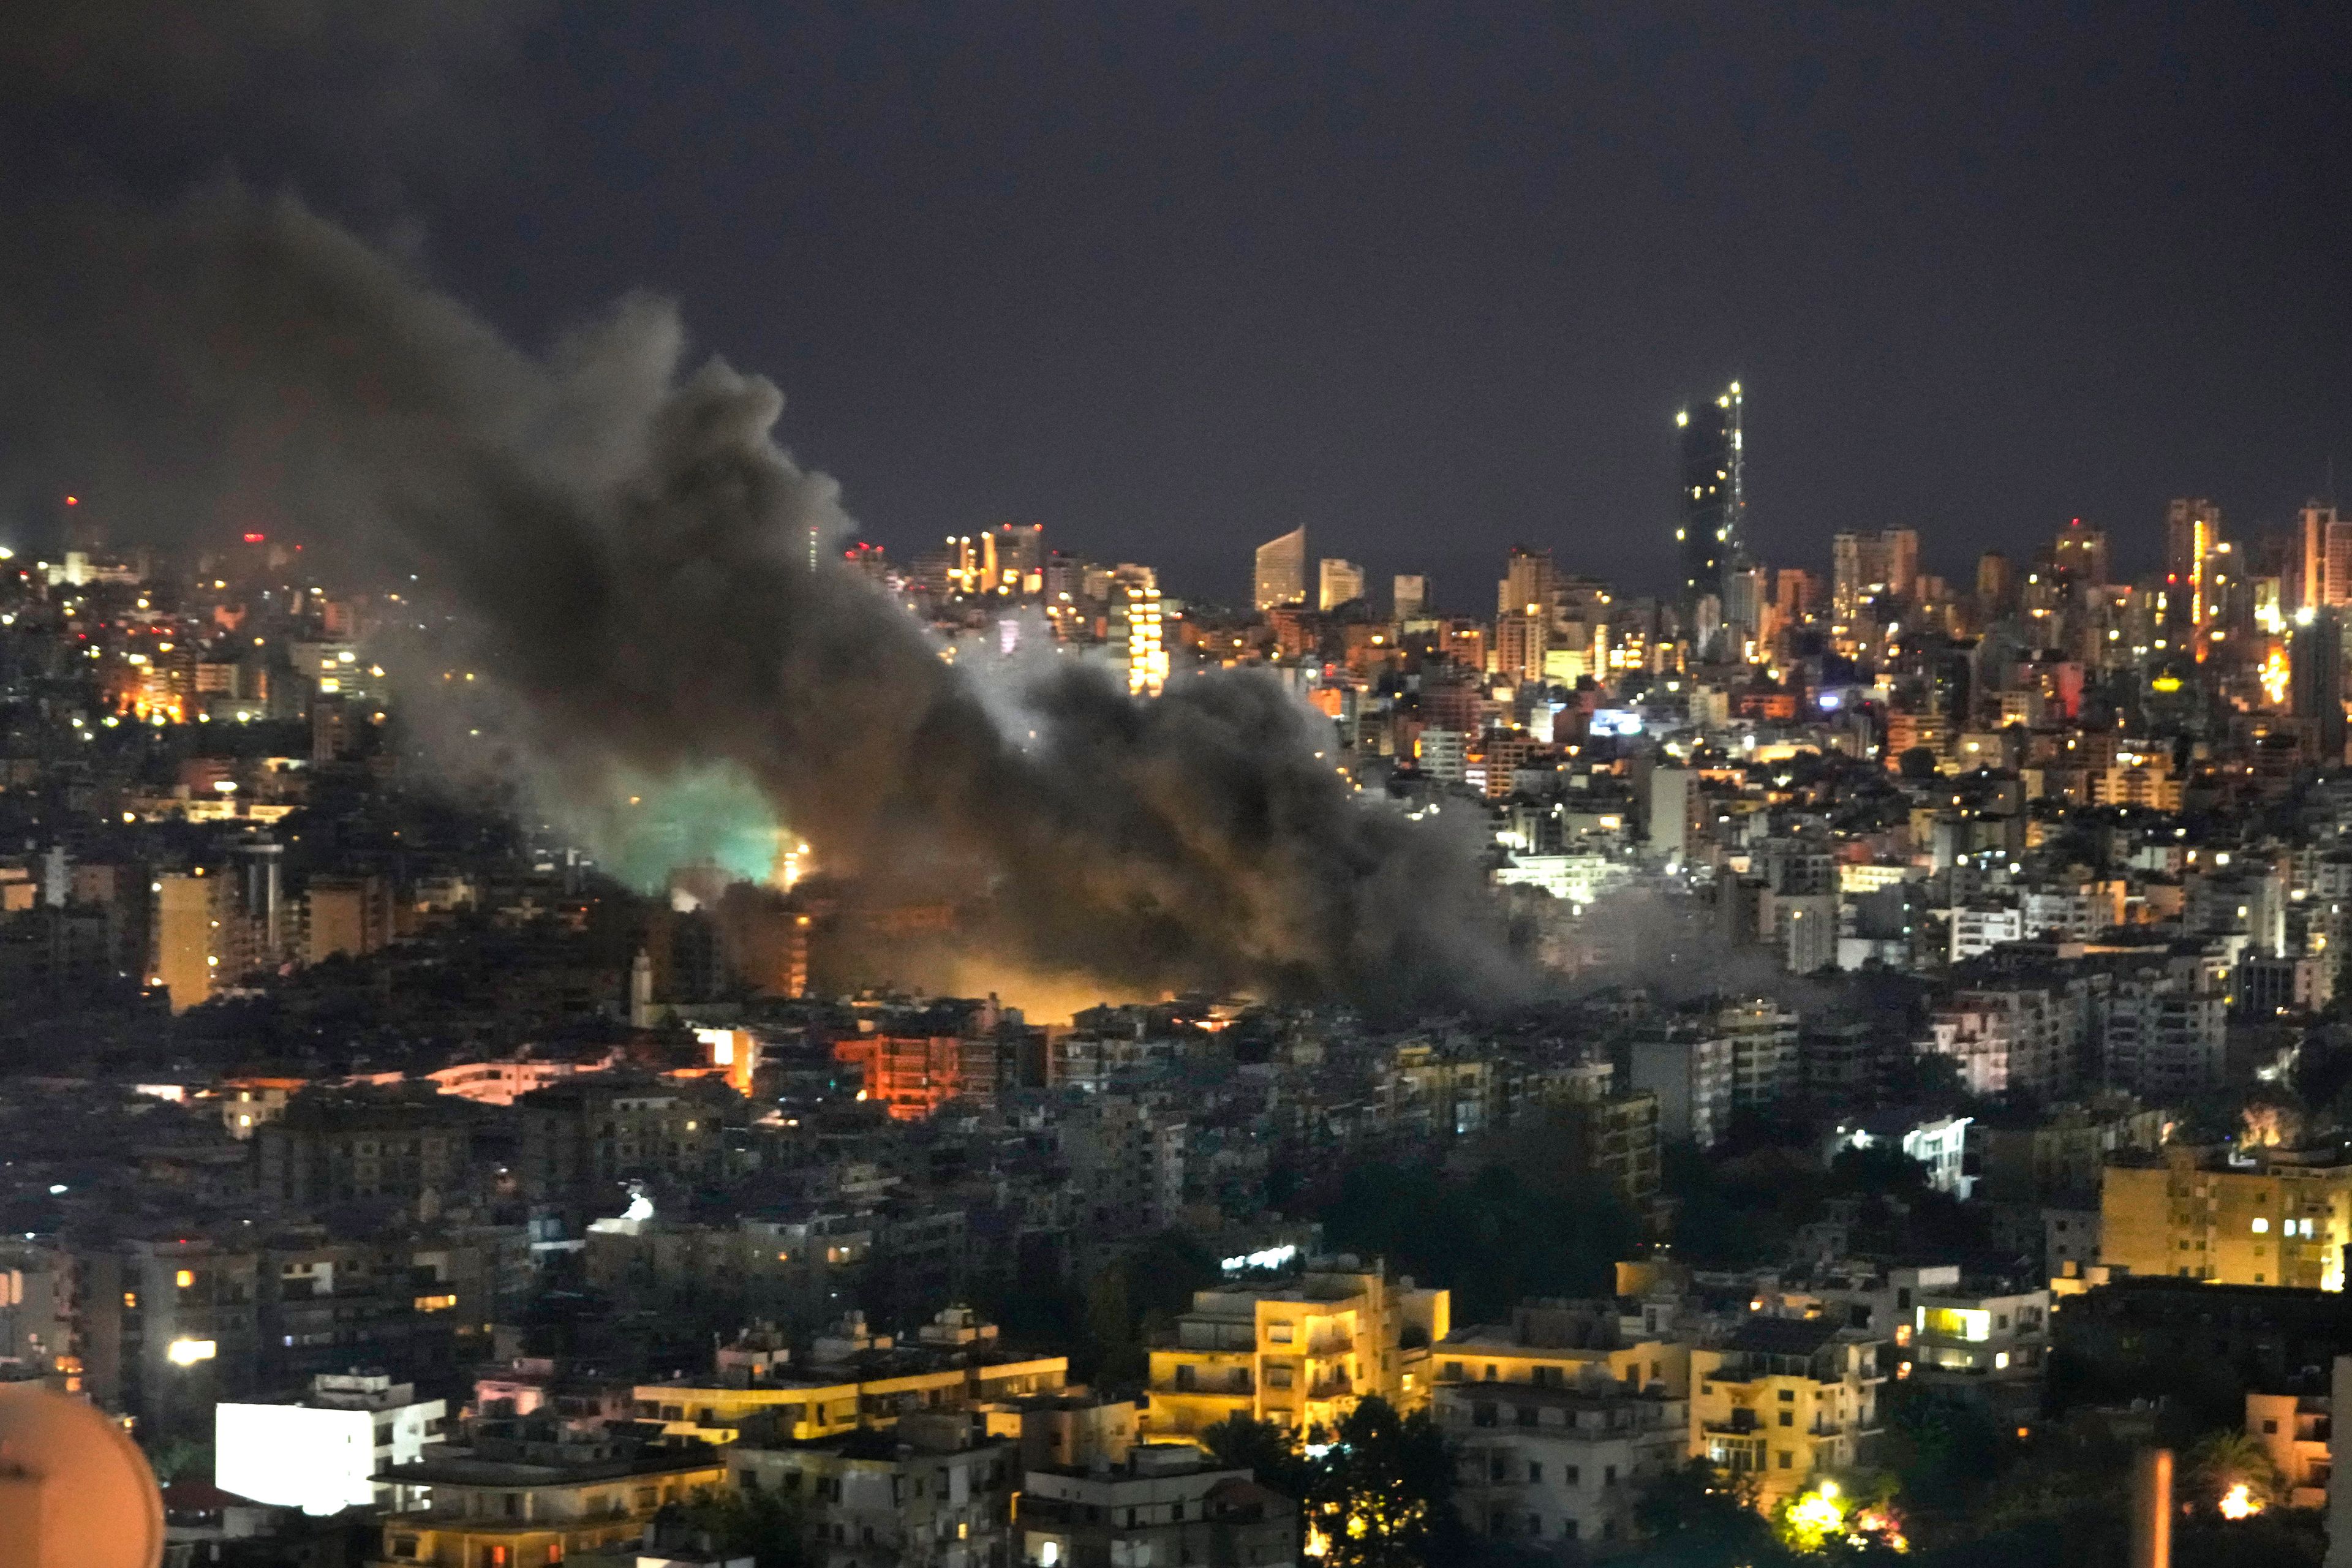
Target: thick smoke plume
[[621, 542]]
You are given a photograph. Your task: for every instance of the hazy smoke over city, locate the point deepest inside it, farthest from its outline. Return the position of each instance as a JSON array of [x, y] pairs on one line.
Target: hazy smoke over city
[[622, 546]]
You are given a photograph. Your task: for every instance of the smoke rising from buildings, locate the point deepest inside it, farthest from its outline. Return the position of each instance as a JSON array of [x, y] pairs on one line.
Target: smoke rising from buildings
[[616, 538]]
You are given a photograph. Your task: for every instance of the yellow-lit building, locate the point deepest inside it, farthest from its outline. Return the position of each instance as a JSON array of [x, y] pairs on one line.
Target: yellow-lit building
[[194, 919], [1783, 1399], [528, 1498], [1560, 1346], [1299, 1354], [867, 1382], [2195, 1214]]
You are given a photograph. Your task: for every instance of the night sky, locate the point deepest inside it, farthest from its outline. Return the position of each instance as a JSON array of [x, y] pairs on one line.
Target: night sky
[[1431, 280]]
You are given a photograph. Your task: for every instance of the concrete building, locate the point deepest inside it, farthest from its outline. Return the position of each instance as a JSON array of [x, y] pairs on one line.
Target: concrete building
[[1559, 1343], [327, 1150], [1987, 1343], [1072, 1429], [1299, 1354], [856, 1379], [320, 1454], [2061, 1152], [1785, 1397], [2297, 1432], [2284, 1220], [1673, 813], [530, 1491], [2163, 1039], [1940, 1143], [932, 1493], [587, 1137], [195, 926], [1690, 1069], [1558, 1467], [1163, 1505], [1126, 1158], [1764, 1066]]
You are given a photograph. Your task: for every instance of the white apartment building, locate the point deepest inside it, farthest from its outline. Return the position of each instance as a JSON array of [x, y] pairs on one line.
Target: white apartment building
[[319, 1455]]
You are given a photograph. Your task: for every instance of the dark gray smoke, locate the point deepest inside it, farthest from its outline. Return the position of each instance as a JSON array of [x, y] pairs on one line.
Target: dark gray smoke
[[626, 548]]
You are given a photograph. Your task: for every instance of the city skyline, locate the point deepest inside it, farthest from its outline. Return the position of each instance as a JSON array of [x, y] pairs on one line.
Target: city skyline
[[1492, 349], [833, 788]]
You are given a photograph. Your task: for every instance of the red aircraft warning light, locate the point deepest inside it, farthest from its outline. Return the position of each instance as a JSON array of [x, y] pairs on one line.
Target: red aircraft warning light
[[255, 538]]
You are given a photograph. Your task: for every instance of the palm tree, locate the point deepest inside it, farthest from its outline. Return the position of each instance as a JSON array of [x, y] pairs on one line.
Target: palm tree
[[2228, 1458]]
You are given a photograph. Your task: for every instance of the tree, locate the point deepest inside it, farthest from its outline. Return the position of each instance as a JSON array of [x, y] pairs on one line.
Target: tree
[[765, 1525], [1700, 1517], [2221, 1462], [1265, 1450], [1383, 1496]]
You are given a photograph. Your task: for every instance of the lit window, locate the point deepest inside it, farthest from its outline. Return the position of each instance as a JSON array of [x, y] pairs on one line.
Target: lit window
[[185, 1277], [2262, 1228]]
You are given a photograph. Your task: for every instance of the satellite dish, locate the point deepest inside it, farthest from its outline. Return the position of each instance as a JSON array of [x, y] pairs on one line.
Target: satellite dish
[[73, 1487]]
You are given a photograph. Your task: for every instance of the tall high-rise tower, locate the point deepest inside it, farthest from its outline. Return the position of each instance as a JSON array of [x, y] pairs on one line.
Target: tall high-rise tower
[[1281, 570], [2192, 533], [2316, 689], [1336, 583], [1714, 500]]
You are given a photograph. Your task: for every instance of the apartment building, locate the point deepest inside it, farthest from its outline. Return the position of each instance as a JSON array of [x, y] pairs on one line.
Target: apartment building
[[1298, 1354], [588, 1135], [1691, 1071], [932, 1493], [2284, 1219], [1163, 1504], [2163, 1039], [2296, 1430], [1784, 1397], [856, 1380], [1559, 1343], [2061, 1152], [528, 1492], [320, 1453], [1558, 1467], [1764, 1066]]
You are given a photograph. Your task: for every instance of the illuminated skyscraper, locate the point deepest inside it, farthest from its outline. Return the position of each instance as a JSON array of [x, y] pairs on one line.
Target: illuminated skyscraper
[[1281, 577], [2081, 552], [1337, 583], [1409, 592], [1137, 637], [2327, 564], [1714, 500], [1865, 566], [2192, 536], [1529, 584]]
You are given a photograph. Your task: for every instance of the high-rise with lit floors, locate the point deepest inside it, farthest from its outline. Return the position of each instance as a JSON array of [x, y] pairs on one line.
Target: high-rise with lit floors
[[1409, 592], [1714, 502], [1281, 576], [1337, 583], [2192, 537], [1136, 639], [2327, 557]]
